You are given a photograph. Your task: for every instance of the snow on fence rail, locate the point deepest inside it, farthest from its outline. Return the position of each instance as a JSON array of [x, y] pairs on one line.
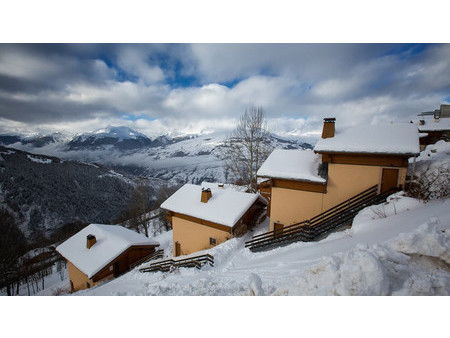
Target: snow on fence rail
[[190, 262]]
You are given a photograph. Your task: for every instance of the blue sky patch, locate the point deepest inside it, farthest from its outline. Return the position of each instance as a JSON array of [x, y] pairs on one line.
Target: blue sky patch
[[131, 117]]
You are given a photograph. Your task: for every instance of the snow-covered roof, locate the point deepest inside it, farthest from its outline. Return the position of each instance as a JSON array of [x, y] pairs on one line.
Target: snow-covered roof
[[292, 164], [430, 124], [373, 139], [112, 240], [226, 206], [212, 185]]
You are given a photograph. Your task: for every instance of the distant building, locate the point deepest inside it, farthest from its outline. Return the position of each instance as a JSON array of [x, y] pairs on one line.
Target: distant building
[[344, 163], [434, 126], [443, 111], [203, 217], [101, 252]]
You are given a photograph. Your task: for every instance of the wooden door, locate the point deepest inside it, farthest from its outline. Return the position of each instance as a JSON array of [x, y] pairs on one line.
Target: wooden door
[[177, 249], [278, 229], [389, 179]]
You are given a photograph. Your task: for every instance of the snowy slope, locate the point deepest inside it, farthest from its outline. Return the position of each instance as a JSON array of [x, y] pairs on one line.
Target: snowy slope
[[405, 252]]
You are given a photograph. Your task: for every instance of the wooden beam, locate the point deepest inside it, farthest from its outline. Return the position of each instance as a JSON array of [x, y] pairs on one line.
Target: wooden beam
[[299, 185], [203, 222], [366, 159]]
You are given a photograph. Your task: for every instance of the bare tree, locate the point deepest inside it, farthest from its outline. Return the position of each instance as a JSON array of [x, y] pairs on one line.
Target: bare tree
[[247, 147], [163, 194], [138, 207]]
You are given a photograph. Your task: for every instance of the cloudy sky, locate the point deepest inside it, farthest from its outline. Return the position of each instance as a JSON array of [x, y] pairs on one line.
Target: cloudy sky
[[189, 88]]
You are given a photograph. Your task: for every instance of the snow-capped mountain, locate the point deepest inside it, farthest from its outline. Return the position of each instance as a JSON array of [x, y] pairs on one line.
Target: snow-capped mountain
[[122, 138], [39, 141], [119, 138], [34, 140]]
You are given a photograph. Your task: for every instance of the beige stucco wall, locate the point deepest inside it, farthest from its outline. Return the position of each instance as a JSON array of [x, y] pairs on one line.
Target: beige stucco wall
[[195, 237], [290, 206], [344, 181], [78, 278]]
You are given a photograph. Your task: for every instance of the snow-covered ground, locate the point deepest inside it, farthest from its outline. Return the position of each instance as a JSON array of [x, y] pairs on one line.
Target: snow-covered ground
[[397, 248]]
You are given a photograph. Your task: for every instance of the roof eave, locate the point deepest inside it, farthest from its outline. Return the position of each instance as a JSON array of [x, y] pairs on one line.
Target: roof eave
[[295, 179], [365, 153]]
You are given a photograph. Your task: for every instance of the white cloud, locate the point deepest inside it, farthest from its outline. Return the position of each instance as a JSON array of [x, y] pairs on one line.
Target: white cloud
[[135, 61]]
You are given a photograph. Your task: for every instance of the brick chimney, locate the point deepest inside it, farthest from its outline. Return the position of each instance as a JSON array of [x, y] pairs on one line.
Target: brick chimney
[[90, 241], [206, 195], [328, 127]]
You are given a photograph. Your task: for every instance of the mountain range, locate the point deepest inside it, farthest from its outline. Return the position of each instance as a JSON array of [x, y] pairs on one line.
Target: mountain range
[[177, 160]]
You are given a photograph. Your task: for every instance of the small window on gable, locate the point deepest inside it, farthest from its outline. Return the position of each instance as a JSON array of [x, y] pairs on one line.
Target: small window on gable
[[212, 241]]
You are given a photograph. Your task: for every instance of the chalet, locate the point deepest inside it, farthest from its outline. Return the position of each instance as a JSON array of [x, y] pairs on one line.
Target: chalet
[[101, 252], [305, 183], [434, 126], [204, 217]]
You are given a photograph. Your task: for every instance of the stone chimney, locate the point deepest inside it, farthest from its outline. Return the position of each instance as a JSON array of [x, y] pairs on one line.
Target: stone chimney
[[90, 241], [328, 127], [206, 195]]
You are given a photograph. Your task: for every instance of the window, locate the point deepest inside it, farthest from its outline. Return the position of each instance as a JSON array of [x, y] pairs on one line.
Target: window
[[88, 285], [212, 241]]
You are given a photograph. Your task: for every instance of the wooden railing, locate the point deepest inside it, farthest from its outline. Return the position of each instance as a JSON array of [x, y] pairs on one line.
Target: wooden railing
[[190, 262], [320, 225], [155, 255]]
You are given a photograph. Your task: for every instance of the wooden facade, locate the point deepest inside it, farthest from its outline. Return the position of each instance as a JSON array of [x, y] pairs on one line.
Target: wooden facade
[[299, 185], [265, 190], [202, 222], [366, 159]]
